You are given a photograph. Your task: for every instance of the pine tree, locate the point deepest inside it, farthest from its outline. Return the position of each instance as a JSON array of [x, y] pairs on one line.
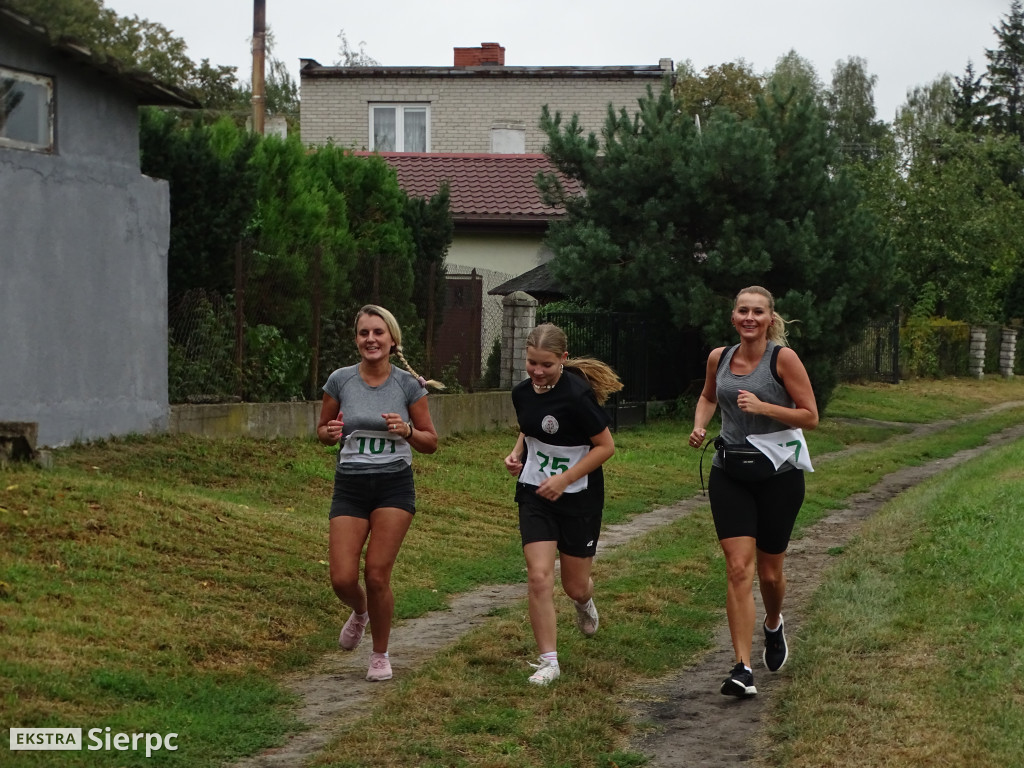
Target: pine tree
[[970, 101], [675, 220], [1006, 73]]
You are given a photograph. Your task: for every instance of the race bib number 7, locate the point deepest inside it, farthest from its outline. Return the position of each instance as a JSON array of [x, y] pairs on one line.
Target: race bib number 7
[[544, 461]]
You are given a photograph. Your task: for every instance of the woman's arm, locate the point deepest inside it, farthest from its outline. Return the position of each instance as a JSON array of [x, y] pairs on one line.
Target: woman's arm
[[708, 401], [328, 428], [602, 448], [514, 461], [422, 435], [804, 414]]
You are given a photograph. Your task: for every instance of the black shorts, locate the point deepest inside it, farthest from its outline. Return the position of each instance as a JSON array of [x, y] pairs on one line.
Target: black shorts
[[765, 510], [357, 495], [575, 535]]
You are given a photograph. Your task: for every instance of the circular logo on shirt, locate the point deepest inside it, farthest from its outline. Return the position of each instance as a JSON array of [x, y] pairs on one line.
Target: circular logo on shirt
[[549, 424]]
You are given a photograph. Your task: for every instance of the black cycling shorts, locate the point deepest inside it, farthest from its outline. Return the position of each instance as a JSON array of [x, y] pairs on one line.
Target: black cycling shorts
[[765, 510]]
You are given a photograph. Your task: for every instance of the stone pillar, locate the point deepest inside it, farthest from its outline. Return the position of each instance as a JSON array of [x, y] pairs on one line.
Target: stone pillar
[[1008, 352], [976, 359], [518, 318]]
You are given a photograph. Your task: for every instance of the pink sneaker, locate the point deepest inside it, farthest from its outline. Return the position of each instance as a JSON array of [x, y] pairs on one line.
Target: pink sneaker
[[380, 668], [352, 632]]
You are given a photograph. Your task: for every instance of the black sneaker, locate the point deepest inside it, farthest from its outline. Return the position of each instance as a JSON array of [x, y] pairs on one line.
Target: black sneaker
[[775, 649], [740, 682]]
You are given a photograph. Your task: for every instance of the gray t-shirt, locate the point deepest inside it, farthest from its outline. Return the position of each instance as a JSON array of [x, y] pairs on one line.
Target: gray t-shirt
[[366, 444], [762, 382]]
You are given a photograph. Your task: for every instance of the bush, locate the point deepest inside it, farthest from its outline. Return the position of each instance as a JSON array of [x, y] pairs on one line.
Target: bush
[[492, 372]]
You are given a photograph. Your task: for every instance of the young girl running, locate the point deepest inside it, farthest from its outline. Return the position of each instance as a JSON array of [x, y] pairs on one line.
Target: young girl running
[[563, 441]]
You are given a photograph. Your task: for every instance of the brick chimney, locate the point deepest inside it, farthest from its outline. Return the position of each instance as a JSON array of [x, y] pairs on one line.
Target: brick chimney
[[487, 55]]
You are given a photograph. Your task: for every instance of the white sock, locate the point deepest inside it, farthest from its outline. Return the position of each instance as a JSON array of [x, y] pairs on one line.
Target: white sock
[[551, 658], [586, 605], [776, 628]]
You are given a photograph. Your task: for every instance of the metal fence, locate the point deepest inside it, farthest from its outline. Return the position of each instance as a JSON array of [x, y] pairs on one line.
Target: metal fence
[[617, 339], [877, 356]]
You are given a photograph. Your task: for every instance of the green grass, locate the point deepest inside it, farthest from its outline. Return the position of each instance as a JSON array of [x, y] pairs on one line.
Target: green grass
[[159, 584], [912, 652]]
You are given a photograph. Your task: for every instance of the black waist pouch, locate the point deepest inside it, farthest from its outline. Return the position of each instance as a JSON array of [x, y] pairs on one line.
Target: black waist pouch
[[743, 462]]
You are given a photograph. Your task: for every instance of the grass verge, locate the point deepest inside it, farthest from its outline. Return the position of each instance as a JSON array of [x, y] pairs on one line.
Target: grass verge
[[911, 654]]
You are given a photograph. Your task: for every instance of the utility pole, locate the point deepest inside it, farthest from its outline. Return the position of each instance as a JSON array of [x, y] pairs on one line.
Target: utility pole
[[259, 59]]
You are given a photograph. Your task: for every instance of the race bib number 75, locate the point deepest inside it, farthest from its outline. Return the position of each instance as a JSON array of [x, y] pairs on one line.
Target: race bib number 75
[[544, 461]]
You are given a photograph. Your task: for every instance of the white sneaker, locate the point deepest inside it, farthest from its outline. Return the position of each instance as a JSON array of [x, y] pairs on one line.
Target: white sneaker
[[546, 672], [586, 617]]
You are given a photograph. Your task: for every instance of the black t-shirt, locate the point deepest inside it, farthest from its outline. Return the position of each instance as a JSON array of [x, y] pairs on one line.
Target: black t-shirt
[[558, 425]]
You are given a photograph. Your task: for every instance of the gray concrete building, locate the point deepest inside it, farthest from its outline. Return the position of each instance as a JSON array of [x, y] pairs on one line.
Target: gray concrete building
[[83, 243]]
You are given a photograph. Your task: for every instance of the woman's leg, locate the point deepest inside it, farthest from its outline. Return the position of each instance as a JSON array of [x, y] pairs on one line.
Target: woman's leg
[[739, 603], [772, 580], [576, 580], [778, 506], [540, 571], [388, 526], [346, 538]]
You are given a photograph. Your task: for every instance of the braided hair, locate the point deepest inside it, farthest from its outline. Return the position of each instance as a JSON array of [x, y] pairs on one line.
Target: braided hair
[[396, 335]]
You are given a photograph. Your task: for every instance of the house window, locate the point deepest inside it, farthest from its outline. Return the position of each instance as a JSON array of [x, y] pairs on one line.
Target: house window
[[399, 127], [26, 110]]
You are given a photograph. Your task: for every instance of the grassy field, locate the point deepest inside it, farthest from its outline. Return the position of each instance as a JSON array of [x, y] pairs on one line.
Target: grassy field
[[159, 584]]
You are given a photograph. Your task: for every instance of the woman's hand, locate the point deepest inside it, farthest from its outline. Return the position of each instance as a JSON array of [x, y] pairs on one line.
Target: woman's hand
[[697, 437], [396, 425], [513, 464], [748, 402], [334, 429], [553, 487]]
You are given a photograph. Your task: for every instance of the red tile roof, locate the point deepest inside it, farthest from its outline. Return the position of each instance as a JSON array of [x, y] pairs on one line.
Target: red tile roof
[[484, 188]]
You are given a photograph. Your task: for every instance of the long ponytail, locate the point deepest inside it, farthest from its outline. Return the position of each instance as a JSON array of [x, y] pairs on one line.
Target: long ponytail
[[603, 380]]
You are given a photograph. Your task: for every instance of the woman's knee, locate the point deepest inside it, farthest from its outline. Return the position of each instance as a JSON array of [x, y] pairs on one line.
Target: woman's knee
[[344, 583], [541, 580], [739, 566], [378, 578]]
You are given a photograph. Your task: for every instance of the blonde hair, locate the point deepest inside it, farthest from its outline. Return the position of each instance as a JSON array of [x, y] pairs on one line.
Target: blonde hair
[[603, 380], [777, 330], [396, 336]]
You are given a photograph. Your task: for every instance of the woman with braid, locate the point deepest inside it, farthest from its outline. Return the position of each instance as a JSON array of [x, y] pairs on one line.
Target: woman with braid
[[380, 414], [563, 441]]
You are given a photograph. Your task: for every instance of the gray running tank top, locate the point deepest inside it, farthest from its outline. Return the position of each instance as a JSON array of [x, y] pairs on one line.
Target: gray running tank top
[[736, 424]]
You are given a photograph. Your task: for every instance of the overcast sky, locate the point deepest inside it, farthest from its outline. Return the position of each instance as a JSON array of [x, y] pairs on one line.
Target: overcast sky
[[905, 42]]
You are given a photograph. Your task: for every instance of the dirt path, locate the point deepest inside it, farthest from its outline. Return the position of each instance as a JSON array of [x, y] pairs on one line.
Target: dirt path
[[686, 720]]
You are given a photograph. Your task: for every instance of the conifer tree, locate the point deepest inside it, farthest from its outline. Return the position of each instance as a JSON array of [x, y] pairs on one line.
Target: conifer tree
[[970, 101], [1006, 74], [675, 220]]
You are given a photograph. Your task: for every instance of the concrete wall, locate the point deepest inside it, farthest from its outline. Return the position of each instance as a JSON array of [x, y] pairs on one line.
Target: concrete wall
[[452, 414], [83, 265], [463, 107]]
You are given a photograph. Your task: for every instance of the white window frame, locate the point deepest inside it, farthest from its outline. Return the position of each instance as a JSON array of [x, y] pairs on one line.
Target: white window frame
[[43, 118], [400, 110]]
